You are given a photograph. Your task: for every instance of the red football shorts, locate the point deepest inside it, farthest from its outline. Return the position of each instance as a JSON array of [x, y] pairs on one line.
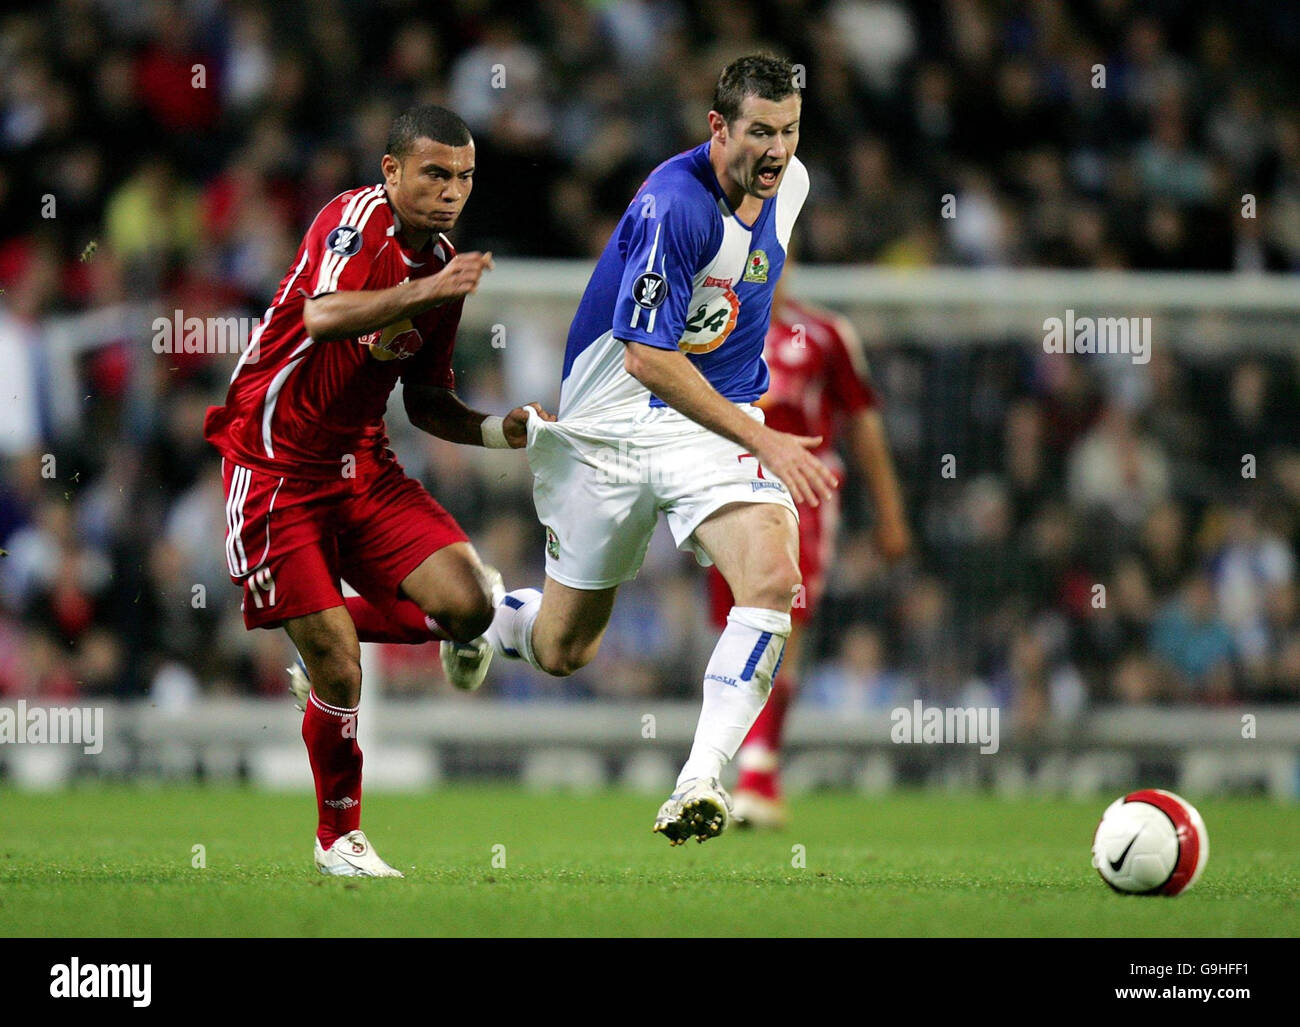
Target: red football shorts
[[818, 531], [289, 541]]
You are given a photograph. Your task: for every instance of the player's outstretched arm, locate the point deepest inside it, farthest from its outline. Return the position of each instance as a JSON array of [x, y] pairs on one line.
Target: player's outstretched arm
[[441, 412], [346, 315], [871, 454], [674, 379]]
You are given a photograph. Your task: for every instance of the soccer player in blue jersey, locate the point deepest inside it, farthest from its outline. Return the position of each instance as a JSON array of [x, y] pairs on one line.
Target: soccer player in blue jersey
[[663, 365]]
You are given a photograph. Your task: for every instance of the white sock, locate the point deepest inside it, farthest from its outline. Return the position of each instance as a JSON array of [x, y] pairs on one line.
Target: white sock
[[737, 683], [511, 631]]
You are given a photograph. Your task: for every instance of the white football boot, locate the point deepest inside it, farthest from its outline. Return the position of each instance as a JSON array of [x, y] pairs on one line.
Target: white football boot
[[758, 811], [466, 664], [759, 766], [352, 855], [299, 684], [699, 808]]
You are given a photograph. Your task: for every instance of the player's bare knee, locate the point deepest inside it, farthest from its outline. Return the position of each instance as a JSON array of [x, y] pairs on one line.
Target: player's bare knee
[[567, 657], [471, 621], [562, 665], [336, 678], [775, 588], [464, 615]]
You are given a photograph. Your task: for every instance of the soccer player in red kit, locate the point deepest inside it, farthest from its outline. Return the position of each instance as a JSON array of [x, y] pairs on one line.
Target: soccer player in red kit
[[314, 494], [818, 378]]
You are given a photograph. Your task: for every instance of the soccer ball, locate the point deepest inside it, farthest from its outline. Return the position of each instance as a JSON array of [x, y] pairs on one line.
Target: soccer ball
[[1150, 843]]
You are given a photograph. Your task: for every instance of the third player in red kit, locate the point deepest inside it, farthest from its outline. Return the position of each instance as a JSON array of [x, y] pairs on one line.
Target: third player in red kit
[[314, 496], [819, 387]]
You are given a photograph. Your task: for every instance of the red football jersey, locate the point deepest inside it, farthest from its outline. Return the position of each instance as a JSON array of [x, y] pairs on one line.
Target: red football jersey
[[296, 407], [818, 372]]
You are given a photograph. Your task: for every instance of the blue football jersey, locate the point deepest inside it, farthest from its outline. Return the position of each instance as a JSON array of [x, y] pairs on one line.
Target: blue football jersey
[[683, 272]]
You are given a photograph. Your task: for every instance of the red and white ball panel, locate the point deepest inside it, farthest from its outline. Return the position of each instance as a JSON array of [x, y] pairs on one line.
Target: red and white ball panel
[[1135, 848], [1150, 842], [1193, 839]]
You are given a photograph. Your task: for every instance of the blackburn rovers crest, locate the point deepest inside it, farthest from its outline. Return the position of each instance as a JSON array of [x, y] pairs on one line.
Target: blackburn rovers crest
[[756, 267]]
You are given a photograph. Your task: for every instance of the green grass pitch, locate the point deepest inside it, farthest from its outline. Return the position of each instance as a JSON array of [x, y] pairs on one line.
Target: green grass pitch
[[119, 861]]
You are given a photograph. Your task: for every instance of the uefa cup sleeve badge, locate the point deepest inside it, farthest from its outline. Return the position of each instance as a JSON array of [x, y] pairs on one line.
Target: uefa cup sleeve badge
[[649, 290]]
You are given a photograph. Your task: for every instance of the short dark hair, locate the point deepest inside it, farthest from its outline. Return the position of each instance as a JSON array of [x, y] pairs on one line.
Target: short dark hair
[[764, 75], [426, 122]]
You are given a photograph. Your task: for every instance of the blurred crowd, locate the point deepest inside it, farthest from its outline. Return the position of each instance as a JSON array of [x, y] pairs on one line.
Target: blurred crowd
[[162, 156], [1096, 133], [1096, 544]]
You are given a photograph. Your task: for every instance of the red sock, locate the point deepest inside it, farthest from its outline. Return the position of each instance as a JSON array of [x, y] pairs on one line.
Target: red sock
[[766, 735], [331, 736], [402, 622]]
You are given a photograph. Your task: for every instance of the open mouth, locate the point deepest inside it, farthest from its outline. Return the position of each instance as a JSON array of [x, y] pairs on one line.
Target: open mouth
[[769, 175]]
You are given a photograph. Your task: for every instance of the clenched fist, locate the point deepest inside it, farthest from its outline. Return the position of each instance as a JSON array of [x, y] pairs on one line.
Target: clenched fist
[[515, 424], [459, 278]]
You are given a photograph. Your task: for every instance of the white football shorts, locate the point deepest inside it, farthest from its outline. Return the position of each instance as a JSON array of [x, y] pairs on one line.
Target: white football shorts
[[599, 487]]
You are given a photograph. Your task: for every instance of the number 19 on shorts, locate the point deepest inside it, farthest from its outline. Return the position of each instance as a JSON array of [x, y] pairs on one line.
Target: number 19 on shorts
[[261, 586]]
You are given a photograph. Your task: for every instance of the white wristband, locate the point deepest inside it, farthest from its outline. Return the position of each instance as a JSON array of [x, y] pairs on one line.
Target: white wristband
[[494, 433]]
